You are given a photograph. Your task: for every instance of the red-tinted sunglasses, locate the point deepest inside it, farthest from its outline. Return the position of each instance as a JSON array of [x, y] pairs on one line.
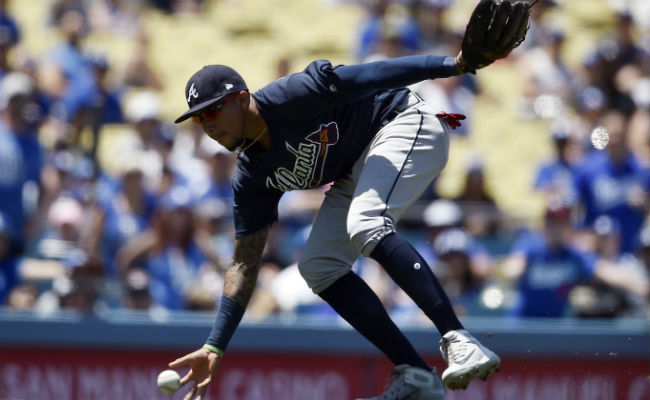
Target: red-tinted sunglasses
[[212, 112]]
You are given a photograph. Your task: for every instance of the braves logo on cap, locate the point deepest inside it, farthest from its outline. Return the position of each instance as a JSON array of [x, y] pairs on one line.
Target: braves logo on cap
[[192, 93], [209, 85]]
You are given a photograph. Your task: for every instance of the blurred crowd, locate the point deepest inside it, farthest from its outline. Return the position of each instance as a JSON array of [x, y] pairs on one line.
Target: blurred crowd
[[154, 230]]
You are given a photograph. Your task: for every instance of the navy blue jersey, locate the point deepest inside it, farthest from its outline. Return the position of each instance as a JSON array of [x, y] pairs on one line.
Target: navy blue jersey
[[320, 121]]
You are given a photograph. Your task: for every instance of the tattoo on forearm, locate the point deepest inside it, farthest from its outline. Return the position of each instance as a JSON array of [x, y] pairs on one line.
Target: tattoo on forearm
[[241, 277]]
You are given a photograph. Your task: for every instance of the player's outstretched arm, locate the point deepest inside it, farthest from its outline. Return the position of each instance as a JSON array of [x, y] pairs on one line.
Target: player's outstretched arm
[[239, 284]]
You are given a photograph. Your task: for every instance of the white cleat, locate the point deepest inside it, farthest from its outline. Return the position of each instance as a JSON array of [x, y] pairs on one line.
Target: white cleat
[[412, 383], [467, 359]]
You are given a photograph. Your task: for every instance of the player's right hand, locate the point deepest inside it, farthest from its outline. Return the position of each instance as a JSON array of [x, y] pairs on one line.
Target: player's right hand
[[203, 368]]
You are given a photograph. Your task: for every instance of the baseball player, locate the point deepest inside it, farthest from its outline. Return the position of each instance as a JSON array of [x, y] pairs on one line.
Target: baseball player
[[381, 145]]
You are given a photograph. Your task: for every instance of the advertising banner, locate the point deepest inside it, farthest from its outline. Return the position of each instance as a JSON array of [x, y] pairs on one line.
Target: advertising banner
[[56, 374]]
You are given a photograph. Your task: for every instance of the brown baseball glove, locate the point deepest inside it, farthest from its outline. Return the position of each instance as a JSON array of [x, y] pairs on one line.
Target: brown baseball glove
[[494, 29]]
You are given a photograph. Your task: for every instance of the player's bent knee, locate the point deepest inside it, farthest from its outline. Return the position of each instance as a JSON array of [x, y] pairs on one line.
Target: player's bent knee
[[320, 273], [366, 232]]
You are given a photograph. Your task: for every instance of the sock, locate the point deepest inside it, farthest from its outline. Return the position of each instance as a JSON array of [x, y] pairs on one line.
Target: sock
[[400, 260], [353, 299]]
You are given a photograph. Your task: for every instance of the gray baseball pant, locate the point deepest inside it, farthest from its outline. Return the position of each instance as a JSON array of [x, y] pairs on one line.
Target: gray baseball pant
[[363, 207]]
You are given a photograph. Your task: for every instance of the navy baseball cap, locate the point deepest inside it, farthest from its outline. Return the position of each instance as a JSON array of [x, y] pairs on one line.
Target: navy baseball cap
[[209, 85]]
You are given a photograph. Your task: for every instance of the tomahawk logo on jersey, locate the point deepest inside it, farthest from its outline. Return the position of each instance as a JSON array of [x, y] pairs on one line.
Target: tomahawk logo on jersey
[[310, 161], [326, 136]]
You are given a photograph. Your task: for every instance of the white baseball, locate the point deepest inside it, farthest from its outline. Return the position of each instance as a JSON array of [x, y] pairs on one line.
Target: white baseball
[[169, 381], [599, 137]]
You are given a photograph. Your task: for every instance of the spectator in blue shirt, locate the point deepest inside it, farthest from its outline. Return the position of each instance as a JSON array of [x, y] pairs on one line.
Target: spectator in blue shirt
[[20, 151], [169, 252], [614, 183], [68, 54], [546, 267], [124, 215], [556, 177]]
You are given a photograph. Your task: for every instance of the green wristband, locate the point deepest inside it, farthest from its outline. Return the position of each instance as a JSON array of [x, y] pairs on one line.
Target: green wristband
[[213, 349]]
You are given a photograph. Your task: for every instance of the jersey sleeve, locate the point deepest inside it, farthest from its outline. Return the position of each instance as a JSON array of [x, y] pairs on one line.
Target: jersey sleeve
[[364, 79], [255, 206], [253, 214], [322, 86]]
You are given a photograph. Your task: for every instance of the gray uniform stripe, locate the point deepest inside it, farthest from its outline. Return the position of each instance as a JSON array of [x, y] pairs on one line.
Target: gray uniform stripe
[[417, 135]]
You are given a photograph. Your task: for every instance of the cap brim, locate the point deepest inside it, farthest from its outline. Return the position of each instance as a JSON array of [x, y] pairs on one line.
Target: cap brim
[[187, 114]]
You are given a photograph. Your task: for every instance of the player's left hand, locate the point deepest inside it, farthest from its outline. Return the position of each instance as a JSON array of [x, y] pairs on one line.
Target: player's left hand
[[203, 368]]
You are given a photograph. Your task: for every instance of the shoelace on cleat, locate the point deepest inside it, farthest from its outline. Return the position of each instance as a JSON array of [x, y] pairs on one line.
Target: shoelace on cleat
[[458, 351]]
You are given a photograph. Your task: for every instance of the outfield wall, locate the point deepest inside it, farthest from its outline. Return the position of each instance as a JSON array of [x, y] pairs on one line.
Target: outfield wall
[[118, 355]]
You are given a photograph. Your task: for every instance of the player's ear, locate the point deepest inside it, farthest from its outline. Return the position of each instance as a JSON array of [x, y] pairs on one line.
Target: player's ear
[[243, 99]]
